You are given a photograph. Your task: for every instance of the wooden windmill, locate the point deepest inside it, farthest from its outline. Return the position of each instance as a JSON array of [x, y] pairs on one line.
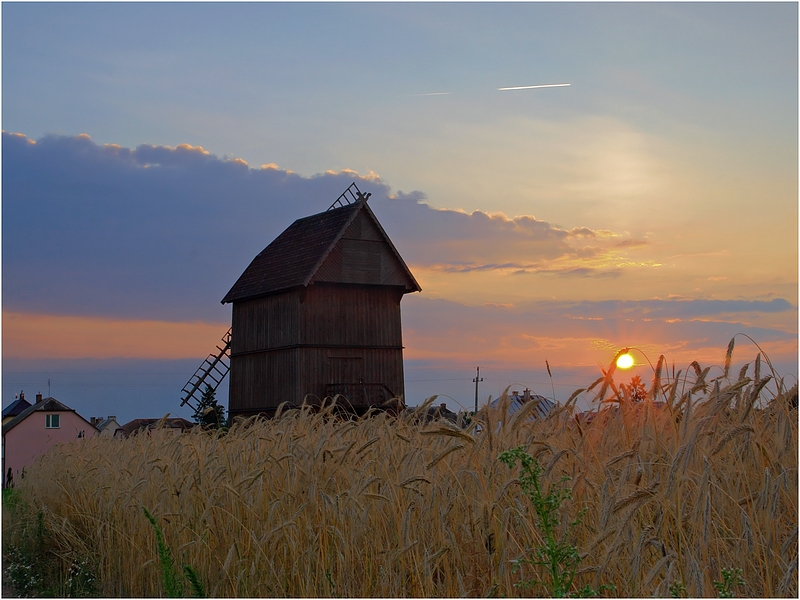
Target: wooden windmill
[[317, 314]]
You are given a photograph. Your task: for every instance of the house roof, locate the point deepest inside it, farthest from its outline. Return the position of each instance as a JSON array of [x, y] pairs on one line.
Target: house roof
[[16, 407], [439, 413], [132, 427], [46, 405], [296, 255], [106, 423], [516, 402]]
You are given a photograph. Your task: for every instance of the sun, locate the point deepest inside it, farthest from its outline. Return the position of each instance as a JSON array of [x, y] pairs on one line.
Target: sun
[[625, 361]]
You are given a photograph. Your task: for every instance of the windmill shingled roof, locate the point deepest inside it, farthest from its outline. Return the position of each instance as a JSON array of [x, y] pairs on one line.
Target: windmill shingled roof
[[293, 258]]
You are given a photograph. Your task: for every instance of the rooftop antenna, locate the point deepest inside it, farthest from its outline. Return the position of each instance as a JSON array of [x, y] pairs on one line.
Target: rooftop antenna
[[350, 196]]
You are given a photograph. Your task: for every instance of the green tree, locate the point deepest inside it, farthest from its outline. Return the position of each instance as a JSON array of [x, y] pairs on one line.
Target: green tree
[[209, 413]]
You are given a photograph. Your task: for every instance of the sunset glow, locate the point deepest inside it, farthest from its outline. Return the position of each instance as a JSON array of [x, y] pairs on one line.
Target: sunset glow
[[27, 335], [556, 225]]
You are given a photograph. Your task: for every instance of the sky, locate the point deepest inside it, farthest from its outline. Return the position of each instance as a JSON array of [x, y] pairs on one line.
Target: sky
[[151, 150]]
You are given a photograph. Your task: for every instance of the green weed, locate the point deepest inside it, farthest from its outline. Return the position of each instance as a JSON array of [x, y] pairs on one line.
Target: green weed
[[677, 589], [557, 556], [170, 576], [731, 578]]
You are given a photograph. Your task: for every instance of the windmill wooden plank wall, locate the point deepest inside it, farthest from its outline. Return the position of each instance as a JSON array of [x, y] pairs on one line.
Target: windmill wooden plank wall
[[317, 313]]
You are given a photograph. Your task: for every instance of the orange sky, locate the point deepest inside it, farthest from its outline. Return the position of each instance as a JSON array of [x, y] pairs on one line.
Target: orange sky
[[27, 335]]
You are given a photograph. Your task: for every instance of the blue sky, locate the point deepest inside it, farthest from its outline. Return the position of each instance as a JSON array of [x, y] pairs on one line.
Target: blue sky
[[653, 201]]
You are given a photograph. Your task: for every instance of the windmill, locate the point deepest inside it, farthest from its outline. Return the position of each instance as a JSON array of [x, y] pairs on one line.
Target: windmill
[[316, 315]]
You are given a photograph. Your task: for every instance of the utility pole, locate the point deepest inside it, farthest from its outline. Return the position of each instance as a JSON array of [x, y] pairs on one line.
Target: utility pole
[[477, 380]]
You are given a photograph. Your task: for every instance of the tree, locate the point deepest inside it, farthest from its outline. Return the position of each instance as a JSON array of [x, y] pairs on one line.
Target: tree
[[209, 413], [636, 391]]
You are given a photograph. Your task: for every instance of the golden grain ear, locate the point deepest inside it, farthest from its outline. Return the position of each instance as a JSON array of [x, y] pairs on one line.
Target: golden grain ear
[[728, 356]]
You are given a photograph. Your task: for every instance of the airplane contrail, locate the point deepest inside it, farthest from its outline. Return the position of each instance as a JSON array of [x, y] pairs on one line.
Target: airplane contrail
[[503, 89], [532, 87]]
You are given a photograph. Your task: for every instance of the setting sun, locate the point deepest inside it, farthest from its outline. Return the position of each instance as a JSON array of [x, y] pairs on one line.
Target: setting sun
[[625, 361]]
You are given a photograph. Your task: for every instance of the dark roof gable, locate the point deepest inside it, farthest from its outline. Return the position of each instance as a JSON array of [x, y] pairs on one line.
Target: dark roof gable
[[15, 408], [135, 425], [294, 258], [46, 405]]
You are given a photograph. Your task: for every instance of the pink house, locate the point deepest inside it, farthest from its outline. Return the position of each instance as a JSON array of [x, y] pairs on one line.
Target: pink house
[[35, 430]]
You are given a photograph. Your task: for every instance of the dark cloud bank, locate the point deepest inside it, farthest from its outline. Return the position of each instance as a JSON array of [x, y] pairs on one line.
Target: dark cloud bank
[[162, 233]]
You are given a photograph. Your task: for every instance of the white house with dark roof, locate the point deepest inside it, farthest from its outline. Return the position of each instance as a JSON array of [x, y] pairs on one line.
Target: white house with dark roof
[[516, 401]]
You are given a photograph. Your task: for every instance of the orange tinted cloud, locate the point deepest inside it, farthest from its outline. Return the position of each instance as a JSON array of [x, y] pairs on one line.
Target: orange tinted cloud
[[29, 335]]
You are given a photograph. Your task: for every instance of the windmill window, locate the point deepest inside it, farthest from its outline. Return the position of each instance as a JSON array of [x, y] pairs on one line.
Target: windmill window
[[52, 421]]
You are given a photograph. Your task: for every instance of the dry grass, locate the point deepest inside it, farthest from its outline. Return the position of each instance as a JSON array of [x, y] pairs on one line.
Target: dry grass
[[308, 505]]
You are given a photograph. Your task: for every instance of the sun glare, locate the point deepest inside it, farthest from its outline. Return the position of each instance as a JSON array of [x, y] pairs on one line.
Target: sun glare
[[625, 361]]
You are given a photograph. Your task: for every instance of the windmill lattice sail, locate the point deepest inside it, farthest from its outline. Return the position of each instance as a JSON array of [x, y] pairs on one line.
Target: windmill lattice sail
[[350, 196], [211, 372]]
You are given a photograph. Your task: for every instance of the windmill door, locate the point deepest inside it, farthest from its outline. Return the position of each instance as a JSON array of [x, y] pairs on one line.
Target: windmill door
[[346, 378], [345, 369]]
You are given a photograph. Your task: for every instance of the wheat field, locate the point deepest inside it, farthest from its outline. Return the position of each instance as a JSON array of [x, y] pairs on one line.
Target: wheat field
[[699, 477]]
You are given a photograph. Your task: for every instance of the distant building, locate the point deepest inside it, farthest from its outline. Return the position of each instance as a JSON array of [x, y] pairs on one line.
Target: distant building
[[174, 425], [436, 413], [516, 401], [106, 427], [36, 429], [16, 407]]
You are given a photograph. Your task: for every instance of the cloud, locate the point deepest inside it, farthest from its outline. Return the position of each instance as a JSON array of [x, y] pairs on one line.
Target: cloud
[[458, 242], [530, 268], [589, 333], [157, 235], [150, 233], [677, 308], [160, 232]]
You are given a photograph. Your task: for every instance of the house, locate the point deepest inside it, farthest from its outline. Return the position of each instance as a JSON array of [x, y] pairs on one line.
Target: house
[[35, 430], [436, 413], [317, 314], [516, 401], [16, 407], [107, 426], [175, 425]]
